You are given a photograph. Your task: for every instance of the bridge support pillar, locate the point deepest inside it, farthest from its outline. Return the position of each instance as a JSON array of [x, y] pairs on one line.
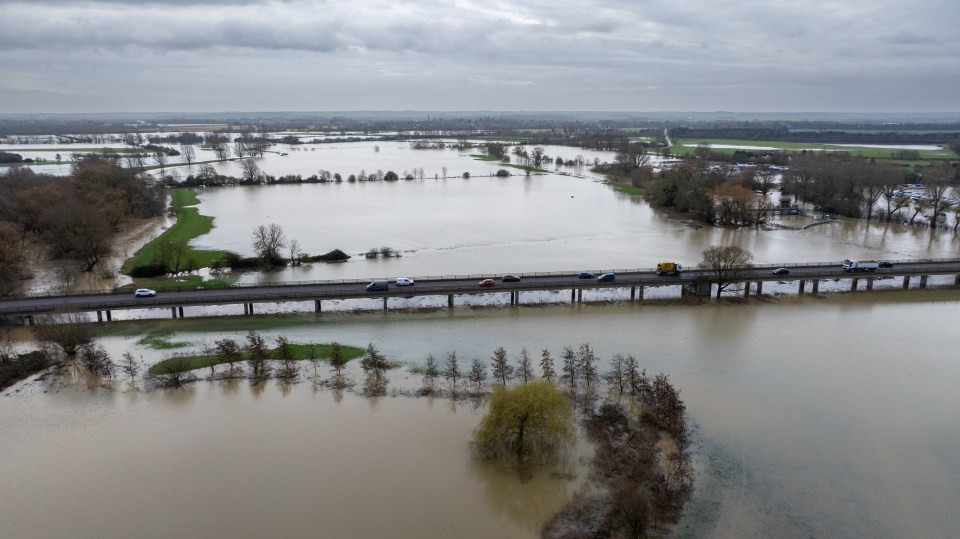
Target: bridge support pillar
[[99, 316], [923, 281], [870, 284], [173, 310], [580, 296], [384, 304], [573, 295], [640, 293], [449, 301], [316, 306], [816, 286], [853, 284], [633, 293], [746, 289], [906, 281], [250, 305], [803, 284], [956, 282], [179, 311], [759, 288], [109, 317]]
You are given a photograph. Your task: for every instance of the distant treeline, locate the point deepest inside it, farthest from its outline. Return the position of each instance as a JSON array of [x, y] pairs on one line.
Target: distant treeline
[[824, 135]]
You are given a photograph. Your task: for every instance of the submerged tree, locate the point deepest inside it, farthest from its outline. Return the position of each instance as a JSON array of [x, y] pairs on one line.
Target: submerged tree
[[451, 370], [547, 371], [570, 367], [502, 369], [524, 369], [374, 365], [430, 372], [478, 372], [728, 264], [531, 423], [68, 332]]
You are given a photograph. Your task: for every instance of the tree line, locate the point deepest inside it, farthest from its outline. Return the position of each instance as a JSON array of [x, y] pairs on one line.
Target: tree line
[[73, 217]]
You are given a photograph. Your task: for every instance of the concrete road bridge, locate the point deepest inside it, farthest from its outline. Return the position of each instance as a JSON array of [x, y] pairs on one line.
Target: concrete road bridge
[[696, 282]]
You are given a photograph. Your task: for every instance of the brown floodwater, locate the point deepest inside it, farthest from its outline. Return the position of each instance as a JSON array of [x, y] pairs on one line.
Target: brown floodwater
[[815, 416]]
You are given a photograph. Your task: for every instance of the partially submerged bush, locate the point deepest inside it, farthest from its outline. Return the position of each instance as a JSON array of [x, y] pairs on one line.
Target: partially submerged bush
[[531, 423]]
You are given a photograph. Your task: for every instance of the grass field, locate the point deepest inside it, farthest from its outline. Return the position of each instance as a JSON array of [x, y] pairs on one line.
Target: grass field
[[689, 146], [190, 224], [300, 352]]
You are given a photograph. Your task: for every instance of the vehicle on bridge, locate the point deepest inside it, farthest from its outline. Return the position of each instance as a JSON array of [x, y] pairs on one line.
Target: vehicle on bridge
[[668, 268], [379, 285], [404, 281], [781, 271], [860, 265], [585, 275], [607, 277], [144, 293], [510, 278], [487, 282]]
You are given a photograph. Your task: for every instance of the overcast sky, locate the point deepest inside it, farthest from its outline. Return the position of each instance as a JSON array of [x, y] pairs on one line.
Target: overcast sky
[[505, 55]]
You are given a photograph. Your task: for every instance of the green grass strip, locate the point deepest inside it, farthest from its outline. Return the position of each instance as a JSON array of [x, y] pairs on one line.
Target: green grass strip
[[484, 157], [625, 188], [300, 352], [190, 224], [160, 340]]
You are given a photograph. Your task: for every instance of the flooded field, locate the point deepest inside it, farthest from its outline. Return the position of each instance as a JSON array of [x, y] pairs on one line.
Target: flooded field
[[816, 417], [830, 415]]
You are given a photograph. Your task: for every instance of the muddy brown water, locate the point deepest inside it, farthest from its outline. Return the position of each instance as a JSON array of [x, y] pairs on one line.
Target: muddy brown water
[[829, 416]]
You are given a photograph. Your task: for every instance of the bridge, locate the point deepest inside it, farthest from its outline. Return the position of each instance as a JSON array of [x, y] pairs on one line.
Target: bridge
[[695, 282]]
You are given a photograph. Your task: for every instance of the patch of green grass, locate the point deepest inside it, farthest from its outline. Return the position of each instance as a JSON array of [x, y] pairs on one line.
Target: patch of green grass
[[190, 224], [160, 340], [625, 188], [300, 352], [180, 282], [77, 150], [484, 157]]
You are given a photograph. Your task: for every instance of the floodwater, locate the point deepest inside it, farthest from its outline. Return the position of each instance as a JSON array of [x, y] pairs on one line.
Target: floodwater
[[519, 224], [831, 416], [817, 416]]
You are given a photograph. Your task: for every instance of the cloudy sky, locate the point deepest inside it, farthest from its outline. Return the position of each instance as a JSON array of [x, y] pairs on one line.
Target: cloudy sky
[[506, 55]]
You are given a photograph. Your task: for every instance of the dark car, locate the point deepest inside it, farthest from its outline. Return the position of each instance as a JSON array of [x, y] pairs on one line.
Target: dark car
[[585, 275], [607, 277], [781, 271], [487, 282], [885, 264], [509, 278]]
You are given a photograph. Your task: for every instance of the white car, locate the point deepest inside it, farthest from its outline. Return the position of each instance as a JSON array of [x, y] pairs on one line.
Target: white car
[[144, 293], [403, 281]]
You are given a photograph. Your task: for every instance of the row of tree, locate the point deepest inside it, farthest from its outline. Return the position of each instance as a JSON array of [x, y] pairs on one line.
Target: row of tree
[[73, 217]]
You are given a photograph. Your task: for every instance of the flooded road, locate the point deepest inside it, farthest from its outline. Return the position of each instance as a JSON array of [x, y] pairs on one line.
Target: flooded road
[[831, 416]]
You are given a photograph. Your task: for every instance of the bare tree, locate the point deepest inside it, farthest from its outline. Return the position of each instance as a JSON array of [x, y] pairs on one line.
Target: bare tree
[[728, 264], [524, 369], [129, 366], [570, 367], [257, 354], [430, 372], [68, 332], [547, 370], [375, 366], [186, 150], [586, 363], [251, 172], [451, 370], [268, 240], [537, 155], [95, 359], [502, 369], [160, 158], [295, 253], [478, 372], [617, 376]]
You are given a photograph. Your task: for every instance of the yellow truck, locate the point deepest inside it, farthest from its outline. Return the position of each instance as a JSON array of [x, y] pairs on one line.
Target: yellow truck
[[668, 268]]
